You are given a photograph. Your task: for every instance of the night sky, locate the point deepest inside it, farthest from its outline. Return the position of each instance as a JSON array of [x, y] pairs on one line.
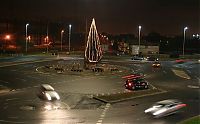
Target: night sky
[[167, 17]]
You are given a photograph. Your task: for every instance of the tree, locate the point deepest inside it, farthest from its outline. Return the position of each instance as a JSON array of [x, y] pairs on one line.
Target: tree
[[154, 37]]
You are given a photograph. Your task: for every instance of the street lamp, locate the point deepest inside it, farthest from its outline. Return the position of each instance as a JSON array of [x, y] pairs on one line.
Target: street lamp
[[139, 32], [26, 35], [29, 38], [47, 43], [70, 27], [61, 38], [184, 33]]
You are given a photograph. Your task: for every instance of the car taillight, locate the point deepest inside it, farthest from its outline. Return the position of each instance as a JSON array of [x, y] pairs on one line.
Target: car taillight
[[181, 105], [129, 84]]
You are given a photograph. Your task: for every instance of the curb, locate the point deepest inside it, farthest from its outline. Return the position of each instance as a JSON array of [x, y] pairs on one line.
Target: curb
[[129, 98]]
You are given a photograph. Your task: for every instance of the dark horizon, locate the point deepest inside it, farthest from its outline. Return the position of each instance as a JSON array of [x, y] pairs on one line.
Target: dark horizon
[[166, 17]]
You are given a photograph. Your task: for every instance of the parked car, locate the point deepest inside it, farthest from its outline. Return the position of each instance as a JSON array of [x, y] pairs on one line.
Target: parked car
[[151, 58], [165, 107], [47, 92], [136, 82], [137, 57]]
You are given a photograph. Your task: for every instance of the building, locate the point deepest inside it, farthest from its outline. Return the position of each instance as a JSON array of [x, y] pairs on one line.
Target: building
[[144, 49]]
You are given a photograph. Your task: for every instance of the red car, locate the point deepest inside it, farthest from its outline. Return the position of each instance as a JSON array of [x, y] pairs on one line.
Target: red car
[[180, 61], [135, 82]]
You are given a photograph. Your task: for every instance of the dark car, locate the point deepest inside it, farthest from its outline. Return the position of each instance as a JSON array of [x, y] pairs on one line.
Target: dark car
[[137, 57], [136, 83], [152, 59]]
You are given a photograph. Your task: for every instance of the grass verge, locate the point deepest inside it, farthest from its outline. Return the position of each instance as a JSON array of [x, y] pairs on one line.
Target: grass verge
[[193, 120]]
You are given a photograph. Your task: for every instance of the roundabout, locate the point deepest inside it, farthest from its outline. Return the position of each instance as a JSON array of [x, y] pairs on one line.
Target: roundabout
[[89, 96], [102, 75]]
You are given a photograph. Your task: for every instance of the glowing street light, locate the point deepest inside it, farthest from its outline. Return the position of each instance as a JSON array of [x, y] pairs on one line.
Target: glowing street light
[[70, 27], [26, 35], [61, 39], [47, 43], [7, 37], [184, 33], [139, 33], [29, 38]]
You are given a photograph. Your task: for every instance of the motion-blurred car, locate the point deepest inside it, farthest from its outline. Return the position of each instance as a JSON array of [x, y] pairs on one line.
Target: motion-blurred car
[[165, 107], [156, 64], [180, 61], [136, 82], [47, 92]]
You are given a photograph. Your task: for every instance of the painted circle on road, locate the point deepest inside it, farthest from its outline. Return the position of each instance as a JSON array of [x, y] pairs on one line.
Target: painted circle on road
[[28, 107], [193, 86]]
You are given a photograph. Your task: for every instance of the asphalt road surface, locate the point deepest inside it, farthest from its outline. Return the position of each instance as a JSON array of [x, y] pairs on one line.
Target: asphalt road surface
[[22, 80]]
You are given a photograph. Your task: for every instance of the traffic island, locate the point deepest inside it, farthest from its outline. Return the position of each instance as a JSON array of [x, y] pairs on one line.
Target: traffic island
[[70, 69], [128, 95]]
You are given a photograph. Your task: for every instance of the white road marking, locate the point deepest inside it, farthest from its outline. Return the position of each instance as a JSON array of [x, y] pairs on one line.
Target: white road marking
[[4, 81], [21, 63], [68, 108], [152, 86], [13, 117], [181, 74], [189, 71], [164, 72], [14, 122], [193, 86], [21, 79], [103, 114], [12, 99]]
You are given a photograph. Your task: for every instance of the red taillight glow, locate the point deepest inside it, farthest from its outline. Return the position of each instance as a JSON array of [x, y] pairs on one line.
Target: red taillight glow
[[129, 84], [181, 105]]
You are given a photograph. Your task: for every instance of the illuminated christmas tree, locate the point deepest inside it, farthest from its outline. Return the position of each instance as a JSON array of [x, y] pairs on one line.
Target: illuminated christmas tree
[[93, 51]]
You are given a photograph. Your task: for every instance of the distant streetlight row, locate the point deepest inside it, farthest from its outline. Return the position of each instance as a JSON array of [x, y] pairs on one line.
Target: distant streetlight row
[[61, 37], [184, 35]]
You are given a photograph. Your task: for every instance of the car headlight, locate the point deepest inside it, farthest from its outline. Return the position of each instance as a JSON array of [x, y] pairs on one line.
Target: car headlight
[[48, 96], [149, 110], [57, 96], [159, 111]]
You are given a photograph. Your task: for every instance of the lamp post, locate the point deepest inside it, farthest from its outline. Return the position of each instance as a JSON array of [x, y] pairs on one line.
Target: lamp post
[[184, 33], [70, 27], [26, 35], [61, 38], [47, 43], [7, 38], [139, 32]]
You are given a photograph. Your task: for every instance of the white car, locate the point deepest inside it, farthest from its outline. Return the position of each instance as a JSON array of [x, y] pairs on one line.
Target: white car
[[165, 107], [47, 92]]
